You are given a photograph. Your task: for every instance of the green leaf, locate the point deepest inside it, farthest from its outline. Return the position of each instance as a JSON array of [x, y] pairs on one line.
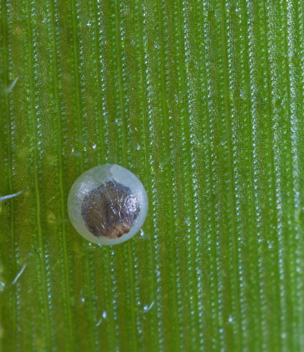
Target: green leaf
[[203, 101]]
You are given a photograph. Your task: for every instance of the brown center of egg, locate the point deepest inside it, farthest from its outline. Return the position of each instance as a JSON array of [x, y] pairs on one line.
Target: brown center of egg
[[110, 210]]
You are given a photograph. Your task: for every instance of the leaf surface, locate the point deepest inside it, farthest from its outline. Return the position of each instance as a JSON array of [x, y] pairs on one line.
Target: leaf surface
[[203, 101]]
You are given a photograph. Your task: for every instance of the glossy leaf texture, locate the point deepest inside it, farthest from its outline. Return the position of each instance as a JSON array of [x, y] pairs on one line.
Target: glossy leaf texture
[[203, 101]]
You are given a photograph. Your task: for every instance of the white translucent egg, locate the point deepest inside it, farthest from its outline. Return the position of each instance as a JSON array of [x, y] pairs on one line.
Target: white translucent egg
[[107, 204]]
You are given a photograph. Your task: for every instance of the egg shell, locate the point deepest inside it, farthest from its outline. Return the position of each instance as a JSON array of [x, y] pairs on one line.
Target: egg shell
[[91, 180]]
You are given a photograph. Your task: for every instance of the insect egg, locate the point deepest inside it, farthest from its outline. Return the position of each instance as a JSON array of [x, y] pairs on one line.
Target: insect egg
[[107, 204]]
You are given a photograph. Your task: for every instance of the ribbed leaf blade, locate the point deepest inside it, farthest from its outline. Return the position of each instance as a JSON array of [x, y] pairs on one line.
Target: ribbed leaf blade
[[203, 102]]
